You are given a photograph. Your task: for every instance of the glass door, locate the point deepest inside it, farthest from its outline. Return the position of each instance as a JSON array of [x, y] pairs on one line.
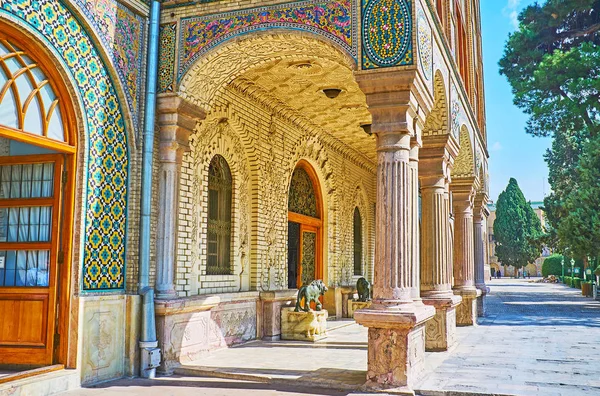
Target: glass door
[[30, 194]]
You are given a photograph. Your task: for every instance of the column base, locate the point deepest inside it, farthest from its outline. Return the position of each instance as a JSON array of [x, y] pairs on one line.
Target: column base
[[440, 332], [396, 346], [166, 294], [466, 312]]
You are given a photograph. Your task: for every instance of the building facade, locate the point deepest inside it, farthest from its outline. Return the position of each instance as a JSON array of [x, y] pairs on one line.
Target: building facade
[[532, 269], [289, 141]]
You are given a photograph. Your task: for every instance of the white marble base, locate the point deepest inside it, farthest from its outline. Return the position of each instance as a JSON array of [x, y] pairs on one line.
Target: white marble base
[[303, 326]]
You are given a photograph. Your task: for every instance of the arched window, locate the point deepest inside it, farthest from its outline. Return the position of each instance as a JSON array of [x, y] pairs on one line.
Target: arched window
[[28, 102], [358, 245], [219, 217]]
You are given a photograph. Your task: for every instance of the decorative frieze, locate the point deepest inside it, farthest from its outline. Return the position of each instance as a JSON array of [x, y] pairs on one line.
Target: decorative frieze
[[336, 21]]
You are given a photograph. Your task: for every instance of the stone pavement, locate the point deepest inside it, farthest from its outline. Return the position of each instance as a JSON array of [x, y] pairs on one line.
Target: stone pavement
[[537, 339], [187, 386]]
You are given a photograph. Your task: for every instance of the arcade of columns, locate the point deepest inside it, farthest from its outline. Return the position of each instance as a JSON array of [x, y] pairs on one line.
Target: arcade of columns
[[414, 307], [429, 261], [428, 272]]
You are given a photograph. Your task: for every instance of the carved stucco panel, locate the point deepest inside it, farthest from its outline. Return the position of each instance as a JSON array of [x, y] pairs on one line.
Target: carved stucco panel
[[103, 338]]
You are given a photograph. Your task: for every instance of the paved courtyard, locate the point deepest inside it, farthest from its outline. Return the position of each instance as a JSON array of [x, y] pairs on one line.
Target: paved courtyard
[[536, 339]]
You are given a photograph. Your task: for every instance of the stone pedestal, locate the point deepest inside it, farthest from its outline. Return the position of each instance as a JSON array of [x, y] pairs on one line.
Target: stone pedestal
[[272, 302], [189, 328], [466, 312], [481, 305], [440, 332], [347, 296], [303, 326], [354, 306], [396, 347], [334, 300]]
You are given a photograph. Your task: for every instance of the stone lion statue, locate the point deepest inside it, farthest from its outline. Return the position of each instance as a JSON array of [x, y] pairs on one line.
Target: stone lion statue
[[363, 287], [310, 293]]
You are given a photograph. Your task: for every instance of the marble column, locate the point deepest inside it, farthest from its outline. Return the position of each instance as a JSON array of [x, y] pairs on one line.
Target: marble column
[[176, 119], [463, 193], [414, 216], [436, 268], [396, 323], [479, 215]]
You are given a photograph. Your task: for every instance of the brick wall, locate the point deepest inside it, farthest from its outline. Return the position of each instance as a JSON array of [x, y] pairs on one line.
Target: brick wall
[[262, 146]]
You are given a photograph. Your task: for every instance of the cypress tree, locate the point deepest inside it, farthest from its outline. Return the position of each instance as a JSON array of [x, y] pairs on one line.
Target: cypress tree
[[517, 228]]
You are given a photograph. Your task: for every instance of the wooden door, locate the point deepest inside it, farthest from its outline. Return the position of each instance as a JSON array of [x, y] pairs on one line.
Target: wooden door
[[30, 213]]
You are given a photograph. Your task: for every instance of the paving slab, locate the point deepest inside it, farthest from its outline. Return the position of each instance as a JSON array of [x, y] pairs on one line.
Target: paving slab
[[537, 339]]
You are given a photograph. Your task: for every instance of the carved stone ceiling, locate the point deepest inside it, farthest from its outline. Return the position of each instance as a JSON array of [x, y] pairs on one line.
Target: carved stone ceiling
[[300, 84]]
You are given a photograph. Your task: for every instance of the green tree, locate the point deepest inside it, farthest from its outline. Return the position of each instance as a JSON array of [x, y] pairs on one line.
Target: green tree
[[553, 65], [580, 226], [517, 228], [562, 159]]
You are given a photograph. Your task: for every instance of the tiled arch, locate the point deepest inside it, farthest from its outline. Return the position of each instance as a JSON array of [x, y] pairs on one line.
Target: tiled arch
[[107, 165]]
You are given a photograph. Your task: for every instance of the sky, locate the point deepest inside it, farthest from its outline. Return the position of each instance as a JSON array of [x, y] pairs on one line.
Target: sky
[[513, 153]]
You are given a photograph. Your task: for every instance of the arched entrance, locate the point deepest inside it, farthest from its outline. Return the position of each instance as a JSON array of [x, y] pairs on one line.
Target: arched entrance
[[305, 223], [531, 270], [37, 159]]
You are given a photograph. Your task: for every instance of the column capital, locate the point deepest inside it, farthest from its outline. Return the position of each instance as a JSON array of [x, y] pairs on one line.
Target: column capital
[[480, 209], [464, 190], [177, 119], [392, 104]]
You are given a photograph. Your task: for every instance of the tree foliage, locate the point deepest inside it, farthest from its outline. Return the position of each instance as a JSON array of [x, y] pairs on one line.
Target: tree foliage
[[580, 227], [552, 265], [517, 228], [553, 65]]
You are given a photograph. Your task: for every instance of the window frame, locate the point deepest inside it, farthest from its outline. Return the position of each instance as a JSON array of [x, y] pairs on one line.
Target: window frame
[[225, 214], [358, 242]]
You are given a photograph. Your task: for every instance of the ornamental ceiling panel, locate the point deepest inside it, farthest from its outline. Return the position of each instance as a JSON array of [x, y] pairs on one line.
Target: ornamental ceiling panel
[[300, 85], [334, 20]]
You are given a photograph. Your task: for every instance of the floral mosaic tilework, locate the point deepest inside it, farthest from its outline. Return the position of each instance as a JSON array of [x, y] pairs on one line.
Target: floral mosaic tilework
[[386, 33], [108, 164], [336, 20], [455, 112], [166, 62], [425, 47], [128, 54], [122, 32]]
